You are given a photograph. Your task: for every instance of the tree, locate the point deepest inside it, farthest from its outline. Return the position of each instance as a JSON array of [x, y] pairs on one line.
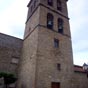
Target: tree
[[9, 78]]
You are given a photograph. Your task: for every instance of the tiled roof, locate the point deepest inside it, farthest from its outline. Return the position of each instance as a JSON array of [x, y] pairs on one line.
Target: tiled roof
[[78, 69]]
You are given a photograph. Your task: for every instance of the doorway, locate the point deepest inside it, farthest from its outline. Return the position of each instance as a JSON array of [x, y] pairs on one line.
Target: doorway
[[55, 85]]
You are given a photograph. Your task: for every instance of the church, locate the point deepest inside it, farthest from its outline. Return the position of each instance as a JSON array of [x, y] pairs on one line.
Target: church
[[44, 58]]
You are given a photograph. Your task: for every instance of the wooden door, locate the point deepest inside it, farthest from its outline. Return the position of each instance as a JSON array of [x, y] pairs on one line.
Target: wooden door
[[55, 85]]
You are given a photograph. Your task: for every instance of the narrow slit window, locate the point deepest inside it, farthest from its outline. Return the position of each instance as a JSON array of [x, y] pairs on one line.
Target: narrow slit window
[[59, 67], [56, 43]]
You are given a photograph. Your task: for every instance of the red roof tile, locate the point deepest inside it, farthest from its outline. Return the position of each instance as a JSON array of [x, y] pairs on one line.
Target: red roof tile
[[78, 69]]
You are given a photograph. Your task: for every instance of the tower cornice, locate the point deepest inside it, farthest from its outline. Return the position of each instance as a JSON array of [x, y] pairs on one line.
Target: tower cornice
[[31, 2]]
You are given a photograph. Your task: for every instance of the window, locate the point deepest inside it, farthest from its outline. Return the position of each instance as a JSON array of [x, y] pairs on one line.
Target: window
[[59, 5], [50, 2], [49, 21], [59, 67], [56, 43], [60, 25], [34, 3]]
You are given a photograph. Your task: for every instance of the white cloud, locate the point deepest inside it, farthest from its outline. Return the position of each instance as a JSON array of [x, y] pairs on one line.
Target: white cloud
[[78, 13], [81, 58], [14, 15]]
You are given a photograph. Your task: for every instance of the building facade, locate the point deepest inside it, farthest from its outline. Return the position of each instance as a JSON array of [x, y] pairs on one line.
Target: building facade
[[45, 54], [47, 50]]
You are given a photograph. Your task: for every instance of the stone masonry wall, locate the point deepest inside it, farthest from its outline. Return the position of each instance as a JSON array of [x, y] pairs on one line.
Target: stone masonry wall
[[10, 52], [80, 80], [54, 7], [27, 69], [49, 57]]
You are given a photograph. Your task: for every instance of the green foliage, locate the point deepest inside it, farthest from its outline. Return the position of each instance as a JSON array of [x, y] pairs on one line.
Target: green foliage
[[8, 77]]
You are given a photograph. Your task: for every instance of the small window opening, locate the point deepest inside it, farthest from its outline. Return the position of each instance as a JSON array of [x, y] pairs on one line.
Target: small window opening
[[49, 21], [58, 66], [50, 2], [56, 43], [59, 5]]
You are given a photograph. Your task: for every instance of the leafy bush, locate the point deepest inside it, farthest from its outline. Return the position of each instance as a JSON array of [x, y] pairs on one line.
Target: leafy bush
[[8, 77]]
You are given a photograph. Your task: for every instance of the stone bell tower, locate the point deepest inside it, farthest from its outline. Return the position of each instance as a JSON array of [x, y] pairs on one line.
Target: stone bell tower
[[47, 60]]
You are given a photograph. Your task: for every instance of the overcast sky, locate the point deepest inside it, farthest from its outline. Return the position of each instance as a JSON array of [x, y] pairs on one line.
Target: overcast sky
[[13, 16]]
